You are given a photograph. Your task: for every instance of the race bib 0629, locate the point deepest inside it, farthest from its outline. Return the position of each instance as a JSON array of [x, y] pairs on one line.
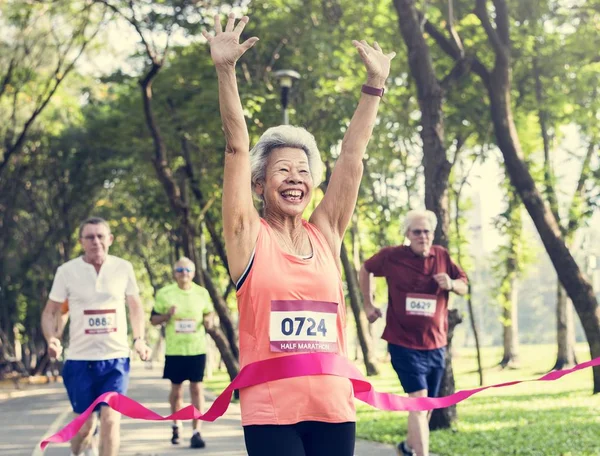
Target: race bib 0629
[[99, 321], [303, 326], [421, 304]]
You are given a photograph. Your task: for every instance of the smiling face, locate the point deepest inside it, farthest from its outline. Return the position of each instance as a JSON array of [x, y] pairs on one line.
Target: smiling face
[[420, 235], [287, 188]]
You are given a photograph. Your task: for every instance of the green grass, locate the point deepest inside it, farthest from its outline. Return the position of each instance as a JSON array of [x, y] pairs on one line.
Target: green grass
[[534, 418]]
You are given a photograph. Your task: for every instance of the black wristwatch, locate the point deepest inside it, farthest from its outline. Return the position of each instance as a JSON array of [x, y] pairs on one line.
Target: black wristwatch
[[135, 339]]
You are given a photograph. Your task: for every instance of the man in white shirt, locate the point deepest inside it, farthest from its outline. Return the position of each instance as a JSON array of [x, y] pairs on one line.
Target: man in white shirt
[[97, 285]]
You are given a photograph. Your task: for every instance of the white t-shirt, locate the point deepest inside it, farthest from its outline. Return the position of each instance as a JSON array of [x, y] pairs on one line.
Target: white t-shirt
[[98, 329]]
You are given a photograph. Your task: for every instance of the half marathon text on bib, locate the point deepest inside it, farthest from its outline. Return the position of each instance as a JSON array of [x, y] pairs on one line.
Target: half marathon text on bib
[[99, 321], [185, 326], [303, 326], [421, 304]]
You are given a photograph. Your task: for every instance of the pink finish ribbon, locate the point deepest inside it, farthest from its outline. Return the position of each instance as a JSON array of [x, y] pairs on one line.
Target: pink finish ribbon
[[288, 367]]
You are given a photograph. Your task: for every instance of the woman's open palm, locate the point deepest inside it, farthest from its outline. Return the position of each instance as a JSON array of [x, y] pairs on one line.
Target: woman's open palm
[[376, 62], [225, 46]]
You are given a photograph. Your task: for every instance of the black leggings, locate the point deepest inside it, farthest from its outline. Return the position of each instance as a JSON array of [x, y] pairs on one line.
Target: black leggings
[[307, 438]]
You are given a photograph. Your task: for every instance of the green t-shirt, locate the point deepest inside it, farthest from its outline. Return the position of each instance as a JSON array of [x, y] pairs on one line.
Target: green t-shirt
[[184, 332]]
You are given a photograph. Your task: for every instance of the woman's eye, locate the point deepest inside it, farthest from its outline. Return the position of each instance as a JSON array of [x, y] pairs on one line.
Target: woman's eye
[[304, 171], [284, 170]]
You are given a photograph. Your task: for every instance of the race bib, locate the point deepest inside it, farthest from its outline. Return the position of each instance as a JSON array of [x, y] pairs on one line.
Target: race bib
[[303, 326], [185, 326], [421, 304], [99, 321]]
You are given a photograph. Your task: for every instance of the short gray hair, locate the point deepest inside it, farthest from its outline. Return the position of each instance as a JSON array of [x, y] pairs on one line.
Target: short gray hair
[[419, 214], [93, 221], [285, 136], [185, 261]]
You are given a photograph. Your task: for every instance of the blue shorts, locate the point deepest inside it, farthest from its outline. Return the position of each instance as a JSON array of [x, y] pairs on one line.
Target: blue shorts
[[86, 380], [419, 369]]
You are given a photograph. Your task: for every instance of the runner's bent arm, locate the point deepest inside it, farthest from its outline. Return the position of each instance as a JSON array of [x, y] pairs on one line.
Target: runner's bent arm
[[136, 316], [51, 320], [365, 285], [158, 319]]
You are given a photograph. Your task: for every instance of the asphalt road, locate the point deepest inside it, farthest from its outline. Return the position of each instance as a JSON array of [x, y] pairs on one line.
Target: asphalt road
[[42, 411]]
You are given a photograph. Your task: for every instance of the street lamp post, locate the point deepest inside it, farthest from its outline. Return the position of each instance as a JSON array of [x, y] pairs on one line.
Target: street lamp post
[[286, 79]]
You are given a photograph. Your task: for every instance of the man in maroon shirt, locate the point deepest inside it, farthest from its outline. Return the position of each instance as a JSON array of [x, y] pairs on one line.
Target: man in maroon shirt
[[419, 278]]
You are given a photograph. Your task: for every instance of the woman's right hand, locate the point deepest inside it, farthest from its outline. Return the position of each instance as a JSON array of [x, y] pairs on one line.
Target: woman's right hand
[[225, 46]]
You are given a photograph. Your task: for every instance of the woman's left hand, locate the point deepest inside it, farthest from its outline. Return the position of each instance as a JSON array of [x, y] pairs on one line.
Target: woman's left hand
[[376, 62]]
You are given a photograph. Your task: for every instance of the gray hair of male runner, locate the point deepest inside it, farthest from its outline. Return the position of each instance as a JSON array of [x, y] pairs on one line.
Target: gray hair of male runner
[[285, 136], [185, 261], [93, 221], [412, 216]]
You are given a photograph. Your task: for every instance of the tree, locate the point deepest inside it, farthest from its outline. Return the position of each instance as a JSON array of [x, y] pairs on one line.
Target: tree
[[430, 94], [174, 186], [35, 58], [497, 82]]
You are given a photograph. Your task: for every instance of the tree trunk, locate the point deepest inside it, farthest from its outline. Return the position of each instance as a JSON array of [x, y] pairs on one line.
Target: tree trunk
[[222, 344], [565, 331], [362, 329], [565, 328], [443, 418], [436, 166], [224, 315], [475, 332], [177, 199], [578, 288], [430, 94], [510, 322], [469, 296]]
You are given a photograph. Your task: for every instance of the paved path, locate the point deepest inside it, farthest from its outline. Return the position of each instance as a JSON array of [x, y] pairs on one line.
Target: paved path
[[31, 414]]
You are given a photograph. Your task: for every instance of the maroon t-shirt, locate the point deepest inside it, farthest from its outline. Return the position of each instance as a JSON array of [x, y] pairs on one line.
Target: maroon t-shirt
[[417, 314]]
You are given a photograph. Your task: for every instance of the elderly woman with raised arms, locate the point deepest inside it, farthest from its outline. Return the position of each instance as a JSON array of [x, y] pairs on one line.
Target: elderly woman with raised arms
[[287, 269]]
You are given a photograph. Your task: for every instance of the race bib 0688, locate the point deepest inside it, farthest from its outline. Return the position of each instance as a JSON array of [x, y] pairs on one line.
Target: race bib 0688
[[303, 326]]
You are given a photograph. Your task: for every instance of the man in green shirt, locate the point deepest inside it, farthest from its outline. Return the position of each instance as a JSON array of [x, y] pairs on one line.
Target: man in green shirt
[[185, 308]]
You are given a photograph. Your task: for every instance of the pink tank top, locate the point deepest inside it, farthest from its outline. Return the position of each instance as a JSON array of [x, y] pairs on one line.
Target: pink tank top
[[289, 305]]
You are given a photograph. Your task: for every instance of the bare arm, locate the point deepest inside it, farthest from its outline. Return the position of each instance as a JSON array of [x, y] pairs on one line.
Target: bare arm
[[159, 319], [240, 219], [335, 210], [136, 316], [445, 282], [62, 322], [136, 319], [460, 287], [365, 283], [209, 320], [51, 318]]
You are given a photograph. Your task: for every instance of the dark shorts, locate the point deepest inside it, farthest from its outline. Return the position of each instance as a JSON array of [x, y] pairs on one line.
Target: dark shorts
[[178, 369], [419, 369], [86, 380], [307, 438]]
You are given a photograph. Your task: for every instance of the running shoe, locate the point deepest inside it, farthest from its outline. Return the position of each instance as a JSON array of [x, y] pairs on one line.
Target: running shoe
[[175, 437], [196, 441], [402, 450]]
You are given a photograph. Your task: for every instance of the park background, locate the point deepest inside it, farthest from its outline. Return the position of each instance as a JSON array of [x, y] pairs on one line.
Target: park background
[[490, 119]]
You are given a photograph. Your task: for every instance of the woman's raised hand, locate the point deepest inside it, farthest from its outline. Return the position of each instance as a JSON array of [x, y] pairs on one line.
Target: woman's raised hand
[[376, 62], [225, 46]]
